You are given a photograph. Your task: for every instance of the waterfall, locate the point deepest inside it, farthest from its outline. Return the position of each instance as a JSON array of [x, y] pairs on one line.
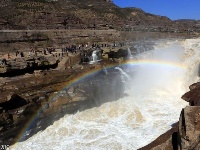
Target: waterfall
[[123, 73], [129, 53], [151, 105], [95, 57]]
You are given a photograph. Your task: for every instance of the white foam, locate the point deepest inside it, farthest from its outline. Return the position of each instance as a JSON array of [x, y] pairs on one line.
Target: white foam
[[153, 104]]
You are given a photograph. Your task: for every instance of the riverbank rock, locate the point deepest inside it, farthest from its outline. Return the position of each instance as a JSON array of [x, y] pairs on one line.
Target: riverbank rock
[[193, 96], [189, 128], [24, 65]]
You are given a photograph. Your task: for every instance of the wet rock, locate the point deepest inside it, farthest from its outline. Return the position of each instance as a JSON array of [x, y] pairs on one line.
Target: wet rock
[[62, 100], [30, 109], [194, 86], [189, 128], [193, 96]]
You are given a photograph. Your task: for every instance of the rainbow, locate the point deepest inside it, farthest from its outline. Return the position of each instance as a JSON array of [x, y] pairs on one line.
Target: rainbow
[[91, 73], [155, 62]]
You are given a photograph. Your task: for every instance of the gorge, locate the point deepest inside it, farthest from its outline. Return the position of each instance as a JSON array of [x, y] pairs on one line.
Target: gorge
[[149, 105]]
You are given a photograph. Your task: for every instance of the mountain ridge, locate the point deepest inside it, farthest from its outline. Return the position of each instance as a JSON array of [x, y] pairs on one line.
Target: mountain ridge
[[85, 14]]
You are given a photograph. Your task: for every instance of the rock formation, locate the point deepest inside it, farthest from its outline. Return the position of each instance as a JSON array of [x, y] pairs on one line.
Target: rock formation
[[43, 92], [23, 65]]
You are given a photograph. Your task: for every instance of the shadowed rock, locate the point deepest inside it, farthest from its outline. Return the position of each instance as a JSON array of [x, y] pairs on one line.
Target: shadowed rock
[[189, 128], [193, 96], [14, 102]]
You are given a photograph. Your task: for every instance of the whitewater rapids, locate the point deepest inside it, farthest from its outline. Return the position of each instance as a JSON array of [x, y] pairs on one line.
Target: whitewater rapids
[[153, 104]]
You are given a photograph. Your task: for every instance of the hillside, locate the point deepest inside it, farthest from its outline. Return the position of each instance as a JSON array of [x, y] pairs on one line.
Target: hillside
[[83, 14]]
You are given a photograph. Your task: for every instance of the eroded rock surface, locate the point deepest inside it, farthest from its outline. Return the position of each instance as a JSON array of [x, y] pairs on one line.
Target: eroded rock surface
[[24, 65]]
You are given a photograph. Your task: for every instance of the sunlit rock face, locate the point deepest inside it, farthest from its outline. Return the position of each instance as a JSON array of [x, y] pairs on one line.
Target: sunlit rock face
[[86, 14], [151, 105]]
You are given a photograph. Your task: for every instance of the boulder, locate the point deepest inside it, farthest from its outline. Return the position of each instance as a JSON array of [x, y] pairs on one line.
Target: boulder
[[193, 96], [194, 86], [189, 128]]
